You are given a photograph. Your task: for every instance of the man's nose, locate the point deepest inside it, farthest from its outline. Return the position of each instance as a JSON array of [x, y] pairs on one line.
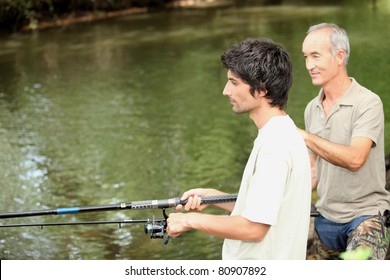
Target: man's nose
[[225, 91], [309, 64]]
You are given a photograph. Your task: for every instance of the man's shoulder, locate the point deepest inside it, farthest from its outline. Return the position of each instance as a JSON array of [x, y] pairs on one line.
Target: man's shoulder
[[363, 92]]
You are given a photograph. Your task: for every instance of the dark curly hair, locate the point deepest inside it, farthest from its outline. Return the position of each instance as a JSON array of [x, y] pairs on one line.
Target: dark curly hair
[[264, 66]]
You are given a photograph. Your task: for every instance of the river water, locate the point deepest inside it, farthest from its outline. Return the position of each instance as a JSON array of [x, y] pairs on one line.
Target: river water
[[131, 109]]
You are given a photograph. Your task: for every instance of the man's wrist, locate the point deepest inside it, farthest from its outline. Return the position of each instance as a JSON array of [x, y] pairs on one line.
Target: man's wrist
[[192, 220]]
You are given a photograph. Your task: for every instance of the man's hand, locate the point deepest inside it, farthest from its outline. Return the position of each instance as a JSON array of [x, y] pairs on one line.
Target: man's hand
[[177, 223], [194, 197], [304, 133]]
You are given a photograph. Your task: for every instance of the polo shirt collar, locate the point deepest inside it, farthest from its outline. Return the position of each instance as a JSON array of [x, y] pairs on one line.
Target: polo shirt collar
[[347, 99]]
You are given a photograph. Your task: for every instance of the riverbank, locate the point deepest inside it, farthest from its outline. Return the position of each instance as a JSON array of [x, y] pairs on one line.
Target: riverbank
[[41, 20], [72, 19]]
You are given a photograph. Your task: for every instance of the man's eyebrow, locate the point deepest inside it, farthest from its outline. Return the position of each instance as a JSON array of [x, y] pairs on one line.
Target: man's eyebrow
[[311, 53], [232, 79]]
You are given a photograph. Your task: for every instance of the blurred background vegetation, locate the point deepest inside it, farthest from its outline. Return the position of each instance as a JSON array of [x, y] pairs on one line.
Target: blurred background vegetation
[[25, 15], [15, 14]]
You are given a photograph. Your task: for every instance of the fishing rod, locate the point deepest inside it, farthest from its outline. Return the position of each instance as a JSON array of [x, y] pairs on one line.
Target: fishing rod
[[136, 205], [156, 228]]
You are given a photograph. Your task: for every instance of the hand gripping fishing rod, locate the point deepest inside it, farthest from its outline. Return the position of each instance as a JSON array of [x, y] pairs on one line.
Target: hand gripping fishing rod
[[155, 227]]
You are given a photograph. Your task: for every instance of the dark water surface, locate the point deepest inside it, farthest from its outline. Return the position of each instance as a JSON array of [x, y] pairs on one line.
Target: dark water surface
[[132, 109]]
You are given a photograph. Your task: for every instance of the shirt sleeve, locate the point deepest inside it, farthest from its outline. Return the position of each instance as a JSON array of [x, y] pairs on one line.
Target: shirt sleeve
[[369, 121], [266, 189]]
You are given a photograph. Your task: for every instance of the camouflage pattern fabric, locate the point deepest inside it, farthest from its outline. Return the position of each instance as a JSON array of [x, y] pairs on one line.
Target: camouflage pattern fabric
[[373, 234], [322, 252], [370, 233]]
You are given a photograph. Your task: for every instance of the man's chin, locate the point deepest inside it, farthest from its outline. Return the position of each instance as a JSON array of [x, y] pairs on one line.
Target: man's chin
[[316, 82], [238, 112]]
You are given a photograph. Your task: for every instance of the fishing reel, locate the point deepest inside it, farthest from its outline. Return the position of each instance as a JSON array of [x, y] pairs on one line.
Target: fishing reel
[[157, 228]]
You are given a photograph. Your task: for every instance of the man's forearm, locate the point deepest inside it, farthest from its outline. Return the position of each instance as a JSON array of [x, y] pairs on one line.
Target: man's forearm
[[351, 157], [230, 227]]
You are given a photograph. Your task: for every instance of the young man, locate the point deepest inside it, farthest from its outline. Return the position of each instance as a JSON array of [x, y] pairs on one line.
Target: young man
[[345, 133], [270, 219]]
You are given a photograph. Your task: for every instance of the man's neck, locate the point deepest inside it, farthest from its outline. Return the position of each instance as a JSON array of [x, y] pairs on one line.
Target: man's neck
[[261, 116], [336, 88]]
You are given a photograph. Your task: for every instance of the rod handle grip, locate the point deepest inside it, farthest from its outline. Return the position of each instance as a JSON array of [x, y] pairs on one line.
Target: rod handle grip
[[214, 199]]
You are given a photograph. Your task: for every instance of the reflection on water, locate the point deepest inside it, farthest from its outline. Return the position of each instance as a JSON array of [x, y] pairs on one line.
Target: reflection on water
[[131, 109]]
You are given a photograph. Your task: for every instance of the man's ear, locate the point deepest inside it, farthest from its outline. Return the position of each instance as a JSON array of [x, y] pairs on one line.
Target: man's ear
[[341, 56], [260, 93]]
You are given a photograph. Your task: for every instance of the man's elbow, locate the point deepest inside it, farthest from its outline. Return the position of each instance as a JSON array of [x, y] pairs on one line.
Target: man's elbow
[[255, 238], [356, 163], [257, 233]]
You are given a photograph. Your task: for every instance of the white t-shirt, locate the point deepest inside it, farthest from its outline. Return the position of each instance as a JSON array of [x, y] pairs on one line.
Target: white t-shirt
[[275, 190]]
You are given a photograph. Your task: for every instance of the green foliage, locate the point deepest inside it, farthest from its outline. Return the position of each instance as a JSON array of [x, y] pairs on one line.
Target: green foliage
[[359, 253]]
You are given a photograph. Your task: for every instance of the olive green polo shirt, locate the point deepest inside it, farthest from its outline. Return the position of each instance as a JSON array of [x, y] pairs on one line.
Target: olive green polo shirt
[[343, 194]]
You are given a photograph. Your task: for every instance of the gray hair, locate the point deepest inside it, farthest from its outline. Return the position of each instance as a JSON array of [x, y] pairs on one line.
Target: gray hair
[[338, 38]]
